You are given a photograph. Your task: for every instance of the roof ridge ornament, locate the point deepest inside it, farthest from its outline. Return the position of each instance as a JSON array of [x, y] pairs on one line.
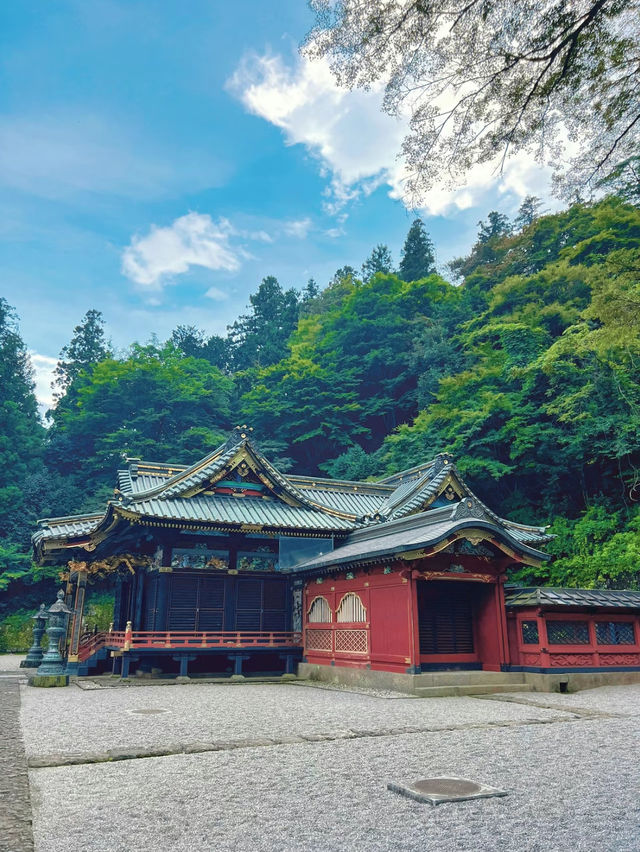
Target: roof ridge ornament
[[470, 507], [237, 435], [441, 461]]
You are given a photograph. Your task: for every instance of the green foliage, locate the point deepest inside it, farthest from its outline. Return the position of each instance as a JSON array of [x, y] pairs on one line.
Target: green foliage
[[259, 339], [378, 261], [544, 414], [98, 610], [21, 436], [528, 372], [16, 632], [86, 348], [154, 403], [354, 464], [599, 549], [194, 343], [350, 373], [418, 254]]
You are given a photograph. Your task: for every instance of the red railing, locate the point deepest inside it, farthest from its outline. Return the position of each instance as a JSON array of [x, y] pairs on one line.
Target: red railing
[[91, 643], [169, 639]]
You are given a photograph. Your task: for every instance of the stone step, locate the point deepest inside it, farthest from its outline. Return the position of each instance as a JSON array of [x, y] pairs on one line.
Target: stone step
[[470, 689], [463, 678]]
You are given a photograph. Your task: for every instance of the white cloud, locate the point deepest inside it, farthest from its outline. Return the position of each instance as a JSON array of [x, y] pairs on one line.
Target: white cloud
[[356, 143], [43, 368], [191, 240], [347, 131], [216, 294], [298, 228], [260, 236]]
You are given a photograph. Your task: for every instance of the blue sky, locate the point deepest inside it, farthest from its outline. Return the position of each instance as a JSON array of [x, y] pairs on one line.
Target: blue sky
[[157, 160]]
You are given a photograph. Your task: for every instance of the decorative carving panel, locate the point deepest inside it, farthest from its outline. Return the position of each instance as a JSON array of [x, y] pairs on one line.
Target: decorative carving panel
[[352, 641], [318, 640], [571, 659], [619, 659], [296, 608]]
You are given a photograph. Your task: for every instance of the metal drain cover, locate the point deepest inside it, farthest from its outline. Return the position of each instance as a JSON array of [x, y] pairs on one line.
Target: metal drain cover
[[434, 791], [148, 711]]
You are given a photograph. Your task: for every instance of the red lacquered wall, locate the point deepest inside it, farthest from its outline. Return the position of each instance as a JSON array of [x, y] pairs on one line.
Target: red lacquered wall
[[545, 654], [384, 640]]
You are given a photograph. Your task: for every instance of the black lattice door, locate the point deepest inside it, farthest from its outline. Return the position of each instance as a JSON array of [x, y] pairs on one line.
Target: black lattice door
[[196, 603], [261, 604], [445, 615]]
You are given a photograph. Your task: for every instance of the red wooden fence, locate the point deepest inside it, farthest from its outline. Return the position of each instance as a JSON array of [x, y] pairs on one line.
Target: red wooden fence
[[170, 639]]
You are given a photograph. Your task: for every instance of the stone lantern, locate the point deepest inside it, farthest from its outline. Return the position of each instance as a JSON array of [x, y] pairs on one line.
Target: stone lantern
[[34, 654], [58, 613]]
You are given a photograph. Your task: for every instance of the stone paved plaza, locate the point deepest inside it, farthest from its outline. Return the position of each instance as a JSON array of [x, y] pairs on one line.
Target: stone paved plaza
[[282, 766]]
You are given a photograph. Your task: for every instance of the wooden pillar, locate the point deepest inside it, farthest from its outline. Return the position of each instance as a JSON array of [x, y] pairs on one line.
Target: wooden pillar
[[237, 660], [184, 660], [78, 613], [162, 601], [137, 611], [288, 663], [117, 605]]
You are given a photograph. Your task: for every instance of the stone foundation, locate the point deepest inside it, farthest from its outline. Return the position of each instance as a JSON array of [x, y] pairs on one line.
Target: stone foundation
[[49, 680], [447, 683], [575, 681]]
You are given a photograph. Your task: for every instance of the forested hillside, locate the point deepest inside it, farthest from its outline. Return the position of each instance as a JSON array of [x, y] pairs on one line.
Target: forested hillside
[[522, 359]]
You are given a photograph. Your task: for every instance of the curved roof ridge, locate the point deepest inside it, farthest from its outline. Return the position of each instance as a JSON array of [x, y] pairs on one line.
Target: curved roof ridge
[[86, 516], [200, 472], [215, 455]]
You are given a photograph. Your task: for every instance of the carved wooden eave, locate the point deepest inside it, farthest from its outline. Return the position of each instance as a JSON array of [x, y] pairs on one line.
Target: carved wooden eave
[[473, 536], [109, 565]]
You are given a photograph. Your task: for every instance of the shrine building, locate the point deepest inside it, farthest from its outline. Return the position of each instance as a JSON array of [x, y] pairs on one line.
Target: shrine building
[[229, 567]]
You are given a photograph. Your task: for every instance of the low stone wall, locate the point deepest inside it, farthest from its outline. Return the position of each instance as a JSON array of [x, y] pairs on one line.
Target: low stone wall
[[357, 677], [462, 682], [575, 681]]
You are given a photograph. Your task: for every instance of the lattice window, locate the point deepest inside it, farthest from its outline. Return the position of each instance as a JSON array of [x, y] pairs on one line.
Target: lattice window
[[351, 609], [568, 632], [351, 641], [318, 640], [615, 633], [319, 611], [530, 633]]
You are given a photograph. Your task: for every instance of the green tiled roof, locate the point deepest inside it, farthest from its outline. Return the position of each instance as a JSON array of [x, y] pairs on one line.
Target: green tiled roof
[[215, 509], [567, 597], [414, 532], [165, 493], [71, 526]]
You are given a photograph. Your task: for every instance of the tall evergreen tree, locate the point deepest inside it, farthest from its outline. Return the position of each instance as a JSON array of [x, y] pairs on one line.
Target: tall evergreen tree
[[418, 255], [528, 211], [378, 261], [189, 339], [497, 225], [259, 338], [21, 437], [310, 290], [194, 343], [87, 348]]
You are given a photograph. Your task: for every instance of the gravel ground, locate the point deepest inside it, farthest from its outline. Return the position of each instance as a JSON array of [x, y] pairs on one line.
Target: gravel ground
[[571, 786], [11, 662], [65, 721], [619, 700]]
